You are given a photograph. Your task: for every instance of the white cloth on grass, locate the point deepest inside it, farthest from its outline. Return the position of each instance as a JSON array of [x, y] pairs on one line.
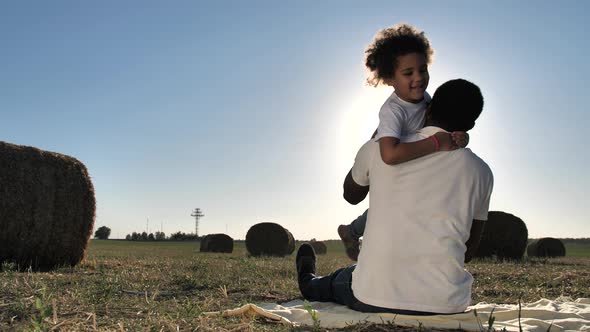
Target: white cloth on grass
[[562, 314]]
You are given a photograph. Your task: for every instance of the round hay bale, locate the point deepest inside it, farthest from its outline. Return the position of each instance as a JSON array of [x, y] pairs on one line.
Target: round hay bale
[[319, 247], [546, 247], [271, 239], [504, 236], [47, 208], [217, 243], [291, 246], [204, 243]]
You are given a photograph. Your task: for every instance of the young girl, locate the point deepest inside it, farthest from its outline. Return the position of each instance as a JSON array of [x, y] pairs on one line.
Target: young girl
[[399, 57]]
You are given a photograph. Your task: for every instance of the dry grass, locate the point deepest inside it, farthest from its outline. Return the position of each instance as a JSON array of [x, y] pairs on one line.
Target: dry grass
[[165, 286]]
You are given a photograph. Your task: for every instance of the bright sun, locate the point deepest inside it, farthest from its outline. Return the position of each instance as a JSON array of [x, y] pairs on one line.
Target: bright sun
[[358, 120], [361, 117]]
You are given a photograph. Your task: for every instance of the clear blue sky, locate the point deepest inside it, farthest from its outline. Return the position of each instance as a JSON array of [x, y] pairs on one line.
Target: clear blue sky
[[254, 110]]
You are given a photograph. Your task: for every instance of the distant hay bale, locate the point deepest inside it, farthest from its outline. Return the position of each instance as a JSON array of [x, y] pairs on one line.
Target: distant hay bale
[[217, 243], [204, 243], [319, 247], [271, 239], [546, 247], [47, 208], [504, 236]]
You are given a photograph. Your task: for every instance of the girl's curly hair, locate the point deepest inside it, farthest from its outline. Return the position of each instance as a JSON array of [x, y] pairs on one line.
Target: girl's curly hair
[[389, 43]]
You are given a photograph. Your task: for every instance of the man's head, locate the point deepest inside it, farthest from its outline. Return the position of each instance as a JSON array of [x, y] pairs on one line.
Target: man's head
[[455, 106]]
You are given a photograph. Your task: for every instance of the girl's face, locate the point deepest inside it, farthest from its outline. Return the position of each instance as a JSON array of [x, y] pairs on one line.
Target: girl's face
[[410, 78]]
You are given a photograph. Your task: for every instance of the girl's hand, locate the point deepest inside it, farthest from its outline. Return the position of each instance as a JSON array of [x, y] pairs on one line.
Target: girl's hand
[[460, 138], [445, 141]]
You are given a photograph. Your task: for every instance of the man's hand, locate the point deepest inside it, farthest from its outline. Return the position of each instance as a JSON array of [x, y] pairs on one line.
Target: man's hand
[[460, 138]]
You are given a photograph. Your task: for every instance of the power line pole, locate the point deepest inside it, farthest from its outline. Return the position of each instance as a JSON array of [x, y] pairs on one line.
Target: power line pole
[[197, 213]]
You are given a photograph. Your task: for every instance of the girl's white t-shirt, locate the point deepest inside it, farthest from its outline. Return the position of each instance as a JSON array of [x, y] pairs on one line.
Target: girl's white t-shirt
[[398, 118]]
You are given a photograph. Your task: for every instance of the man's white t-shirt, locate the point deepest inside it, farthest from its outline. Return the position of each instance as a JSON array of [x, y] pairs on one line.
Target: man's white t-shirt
[[420, 216], [399, 118]]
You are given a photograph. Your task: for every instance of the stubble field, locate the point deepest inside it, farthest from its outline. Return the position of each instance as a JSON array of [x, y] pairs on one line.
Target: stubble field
[[165, 286]]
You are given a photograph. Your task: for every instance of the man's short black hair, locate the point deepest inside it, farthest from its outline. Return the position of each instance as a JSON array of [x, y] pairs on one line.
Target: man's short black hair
[[456, 105]]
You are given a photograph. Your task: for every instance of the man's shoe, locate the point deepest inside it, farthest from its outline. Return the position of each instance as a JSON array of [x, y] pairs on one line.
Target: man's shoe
[[351, 244], [305, 263]]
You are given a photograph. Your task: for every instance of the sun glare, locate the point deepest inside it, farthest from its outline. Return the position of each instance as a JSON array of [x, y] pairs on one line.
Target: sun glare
[[359, 119]]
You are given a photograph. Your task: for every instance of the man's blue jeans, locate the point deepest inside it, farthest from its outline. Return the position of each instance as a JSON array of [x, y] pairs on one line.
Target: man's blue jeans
[[337, 288], [357, 226]]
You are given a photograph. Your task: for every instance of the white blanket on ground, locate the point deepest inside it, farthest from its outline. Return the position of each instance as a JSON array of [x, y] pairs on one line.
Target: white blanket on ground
[[563, 314]]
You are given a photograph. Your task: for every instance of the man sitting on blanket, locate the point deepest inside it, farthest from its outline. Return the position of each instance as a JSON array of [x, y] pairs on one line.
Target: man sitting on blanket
[[425, 220]]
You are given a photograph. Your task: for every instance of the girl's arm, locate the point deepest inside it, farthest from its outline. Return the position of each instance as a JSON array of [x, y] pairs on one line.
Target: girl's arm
[[393, 152]]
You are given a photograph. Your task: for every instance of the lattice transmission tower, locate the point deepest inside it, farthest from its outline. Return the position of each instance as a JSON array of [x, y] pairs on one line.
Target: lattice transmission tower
[[197, 213]]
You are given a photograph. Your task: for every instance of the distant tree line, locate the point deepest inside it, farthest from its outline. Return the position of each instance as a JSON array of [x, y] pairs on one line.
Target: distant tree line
[[144, 236], [161, 236], [180, 236], [583, 240]]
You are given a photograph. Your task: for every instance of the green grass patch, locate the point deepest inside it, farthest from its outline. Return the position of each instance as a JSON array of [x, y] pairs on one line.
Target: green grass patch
[[577, 249]]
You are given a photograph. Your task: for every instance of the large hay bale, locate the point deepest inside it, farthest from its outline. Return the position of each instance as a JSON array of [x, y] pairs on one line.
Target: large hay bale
[[271, 239], [546, 247], [319, 247], [47, 208], [217, 243], [291, 246], [504, 236]]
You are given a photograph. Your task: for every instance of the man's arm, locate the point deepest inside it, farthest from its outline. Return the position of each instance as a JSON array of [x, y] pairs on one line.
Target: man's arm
[[354, 193], [474, 238]]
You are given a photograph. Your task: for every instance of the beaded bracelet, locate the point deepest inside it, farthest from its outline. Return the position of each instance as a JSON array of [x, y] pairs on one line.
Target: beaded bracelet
[[436, 143]]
